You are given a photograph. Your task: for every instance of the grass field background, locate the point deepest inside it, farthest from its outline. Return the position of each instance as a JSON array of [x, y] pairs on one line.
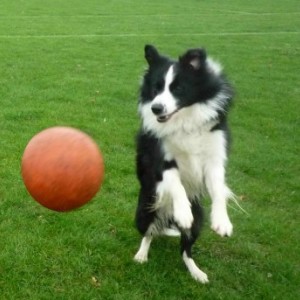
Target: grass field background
[[78, 63]]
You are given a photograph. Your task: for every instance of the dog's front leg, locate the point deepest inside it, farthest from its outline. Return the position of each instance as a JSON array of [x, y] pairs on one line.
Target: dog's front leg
[[171, 185], [219, 193]]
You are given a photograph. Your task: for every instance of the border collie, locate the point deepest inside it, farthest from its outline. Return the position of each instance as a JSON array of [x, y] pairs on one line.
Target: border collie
[[182, 150]]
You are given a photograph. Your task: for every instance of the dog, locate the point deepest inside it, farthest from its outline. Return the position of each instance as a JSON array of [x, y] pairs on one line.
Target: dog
[[182, 149]]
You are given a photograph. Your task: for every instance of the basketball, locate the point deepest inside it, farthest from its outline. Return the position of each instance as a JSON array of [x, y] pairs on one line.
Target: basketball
[[62, 168]]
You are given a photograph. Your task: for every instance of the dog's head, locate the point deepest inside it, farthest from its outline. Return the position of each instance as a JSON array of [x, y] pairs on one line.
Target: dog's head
[[170, 85]]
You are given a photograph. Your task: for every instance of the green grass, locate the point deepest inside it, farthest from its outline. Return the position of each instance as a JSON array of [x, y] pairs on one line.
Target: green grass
[[78, 63]]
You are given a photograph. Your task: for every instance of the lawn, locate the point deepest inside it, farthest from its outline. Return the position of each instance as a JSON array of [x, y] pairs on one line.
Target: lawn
[[79, 63]]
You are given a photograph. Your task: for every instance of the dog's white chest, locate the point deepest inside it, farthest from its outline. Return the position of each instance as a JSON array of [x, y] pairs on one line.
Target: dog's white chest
[[194, 154]]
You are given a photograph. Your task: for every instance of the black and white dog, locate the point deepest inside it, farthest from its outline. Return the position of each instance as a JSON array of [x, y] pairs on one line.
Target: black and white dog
[[182, 150]]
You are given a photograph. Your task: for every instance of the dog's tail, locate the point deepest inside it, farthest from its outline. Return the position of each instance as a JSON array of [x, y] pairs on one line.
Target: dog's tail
[[172, 231]]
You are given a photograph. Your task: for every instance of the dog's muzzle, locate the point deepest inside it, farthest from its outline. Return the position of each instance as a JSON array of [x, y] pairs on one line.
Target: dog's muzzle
[[160, 111]]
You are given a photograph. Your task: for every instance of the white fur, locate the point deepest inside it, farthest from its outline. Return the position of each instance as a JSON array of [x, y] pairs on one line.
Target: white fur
[[196, 273], [142, 255], [214, 66], [171, 188], [166, 98], [171, 232], [201, 159]]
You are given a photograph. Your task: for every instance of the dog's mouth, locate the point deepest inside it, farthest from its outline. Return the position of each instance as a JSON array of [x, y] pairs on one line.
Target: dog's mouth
[[166, 117]]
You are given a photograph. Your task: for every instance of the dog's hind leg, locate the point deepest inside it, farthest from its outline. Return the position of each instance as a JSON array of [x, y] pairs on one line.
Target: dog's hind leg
[[196, 273], [143, 219], [188, 238], [142, 254]]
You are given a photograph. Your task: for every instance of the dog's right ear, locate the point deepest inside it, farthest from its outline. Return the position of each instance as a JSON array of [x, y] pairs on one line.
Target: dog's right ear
[[151, 54], [194, 58]]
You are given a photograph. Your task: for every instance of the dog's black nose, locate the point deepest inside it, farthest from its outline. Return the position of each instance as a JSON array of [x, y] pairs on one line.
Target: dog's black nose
[[157, 109]]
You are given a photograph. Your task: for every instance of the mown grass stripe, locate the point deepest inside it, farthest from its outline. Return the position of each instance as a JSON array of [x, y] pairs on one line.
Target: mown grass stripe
[[215, 13], [59, 36]]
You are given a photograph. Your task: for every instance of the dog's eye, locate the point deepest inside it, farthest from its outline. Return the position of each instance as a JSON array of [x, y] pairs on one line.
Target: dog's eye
[[177, 88], [158, 87]]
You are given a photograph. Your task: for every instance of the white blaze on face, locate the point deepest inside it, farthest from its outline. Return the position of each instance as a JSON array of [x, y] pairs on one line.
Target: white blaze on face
[[166, 99]]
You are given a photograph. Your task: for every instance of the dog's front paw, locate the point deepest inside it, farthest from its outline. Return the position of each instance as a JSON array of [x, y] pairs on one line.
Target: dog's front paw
[[221, 224], [183, 215], [141, 257]]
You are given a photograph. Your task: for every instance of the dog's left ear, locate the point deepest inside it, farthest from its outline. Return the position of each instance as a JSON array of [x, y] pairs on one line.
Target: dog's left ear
[[194, 58]]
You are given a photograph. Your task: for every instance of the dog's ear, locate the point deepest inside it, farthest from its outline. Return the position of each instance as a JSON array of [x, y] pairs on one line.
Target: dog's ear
[[194, 58], [151, 54]]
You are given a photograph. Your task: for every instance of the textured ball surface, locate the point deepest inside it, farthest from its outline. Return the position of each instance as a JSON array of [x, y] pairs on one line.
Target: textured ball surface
[[62, 168]]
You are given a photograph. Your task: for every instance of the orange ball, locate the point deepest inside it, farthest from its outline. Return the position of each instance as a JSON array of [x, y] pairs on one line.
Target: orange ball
[[62, 168]]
